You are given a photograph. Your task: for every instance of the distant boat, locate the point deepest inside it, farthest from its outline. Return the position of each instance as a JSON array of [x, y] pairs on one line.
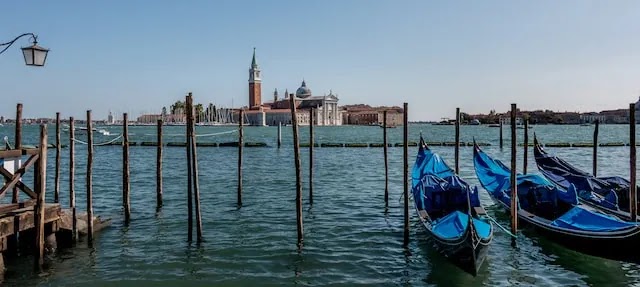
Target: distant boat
[[474, 122], [83, 131], [585, 125], [388, 126], [494, 125], [444, 123]]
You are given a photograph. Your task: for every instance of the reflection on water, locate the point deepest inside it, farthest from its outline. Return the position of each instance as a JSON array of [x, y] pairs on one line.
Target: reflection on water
[[350, 238]]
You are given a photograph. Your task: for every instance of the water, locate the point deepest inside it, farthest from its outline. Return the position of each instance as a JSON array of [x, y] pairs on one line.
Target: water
[[349, 237]]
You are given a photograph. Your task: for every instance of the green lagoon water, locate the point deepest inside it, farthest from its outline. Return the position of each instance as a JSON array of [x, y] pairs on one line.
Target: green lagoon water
[[350, 239]]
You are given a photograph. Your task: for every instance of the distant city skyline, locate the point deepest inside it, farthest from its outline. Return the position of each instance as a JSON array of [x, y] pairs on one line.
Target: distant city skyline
[[133, 57]]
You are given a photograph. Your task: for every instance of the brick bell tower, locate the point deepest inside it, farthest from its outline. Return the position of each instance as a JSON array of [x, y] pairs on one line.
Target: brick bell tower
[[255, 84]]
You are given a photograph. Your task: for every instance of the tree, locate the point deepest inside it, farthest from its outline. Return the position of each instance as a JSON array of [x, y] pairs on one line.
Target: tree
[[199, 112], [178, 107]]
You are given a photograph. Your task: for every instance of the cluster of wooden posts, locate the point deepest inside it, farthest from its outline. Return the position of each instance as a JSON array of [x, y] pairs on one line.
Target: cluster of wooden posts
[[28, 215], [297, 163]]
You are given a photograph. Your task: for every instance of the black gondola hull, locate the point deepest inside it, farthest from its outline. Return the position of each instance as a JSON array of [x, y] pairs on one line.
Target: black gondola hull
[[611, 245], [467, 252]]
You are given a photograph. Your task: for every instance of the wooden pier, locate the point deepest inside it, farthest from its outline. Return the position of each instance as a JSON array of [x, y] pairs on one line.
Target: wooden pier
[[29, 225]]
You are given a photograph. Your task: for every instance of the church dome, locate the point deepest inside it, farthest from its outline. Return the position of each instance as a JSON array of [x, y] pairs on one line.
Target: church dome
[[303, 91]]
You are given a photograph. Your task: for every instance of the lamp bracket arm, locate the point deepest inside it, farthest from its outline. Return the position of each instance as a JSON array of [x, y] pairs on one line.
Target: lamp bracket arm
[[8, 44]]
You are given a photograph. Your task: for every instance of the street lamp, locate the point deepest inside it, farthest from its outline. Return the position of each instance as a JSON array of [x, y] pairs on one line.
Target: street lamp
[[34, 55]]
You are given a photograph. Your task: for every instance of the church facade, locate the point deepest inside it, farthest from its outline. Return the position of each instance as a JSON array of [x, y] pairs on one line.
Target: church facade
[[324, 108]]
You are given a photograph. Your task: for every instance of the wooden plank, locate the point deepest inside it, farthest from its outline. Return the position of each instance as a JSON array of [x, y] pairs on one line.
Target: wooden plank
[[18, 152], [23, 219], [10, 207]]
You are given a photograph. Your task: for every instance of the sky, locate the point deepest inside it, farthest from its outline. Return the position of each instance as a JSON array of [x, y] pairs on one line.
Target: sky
[[137, 56]]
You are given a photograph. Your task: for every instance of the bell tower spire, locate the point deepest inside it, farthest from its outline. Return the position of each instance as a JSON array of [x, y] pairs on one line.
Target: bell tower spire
[[255, 84], [253, 61]]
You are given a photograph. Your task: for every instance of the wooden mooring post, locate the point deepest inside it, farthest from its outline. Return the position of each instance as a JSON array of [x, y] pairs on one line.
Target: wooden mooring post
[[189, 172], [126, 187], [296, 152], [501, 143], [89, 179], [513, 181], [72, 170], [311, 117], [386, 161], [40, 185], [405, 173], [633, 196], [194, 162], [595, 149], [240, 144], [159, 168], [526, 147], [17, 145], [56, 188], [279, 134], [457, 147]]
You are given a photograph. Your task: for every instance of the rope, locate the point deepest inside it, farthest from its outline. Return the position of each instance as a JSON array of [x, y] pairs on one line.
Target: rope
[[98, 144], [203, 135], [220, 133], [501, 227]]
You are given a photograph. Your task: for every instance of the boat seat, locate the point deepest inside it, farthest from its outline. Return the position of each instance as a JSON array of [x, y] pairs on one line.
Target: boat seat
[[479, 210]]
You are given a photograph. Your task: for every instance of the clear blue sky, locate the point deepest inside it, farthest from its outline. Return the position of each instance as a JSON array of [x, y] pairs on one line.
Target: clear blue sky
[[138, 56]]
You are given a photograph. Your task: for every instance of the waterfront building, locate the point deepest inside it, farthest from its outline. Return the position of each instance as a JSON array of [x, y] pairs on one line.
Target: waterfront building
[[592, 117], [506, 120], [325, 108], [367, 115]]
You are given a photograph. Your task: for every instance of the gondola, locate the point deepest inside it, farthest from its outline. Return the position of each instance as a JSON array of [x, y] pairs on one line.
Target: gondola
[[610, 194], [446, 205], [558, 214]]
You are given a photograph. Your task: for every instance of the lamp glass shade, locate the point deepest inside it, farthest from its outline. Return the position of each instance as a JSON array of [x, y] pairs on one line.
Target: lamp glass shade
[[34, 55]]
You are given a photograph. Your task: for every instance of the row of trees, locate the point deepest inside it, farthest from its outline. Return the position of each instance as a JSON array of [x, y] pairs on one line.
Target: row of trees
[[209, 114]]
